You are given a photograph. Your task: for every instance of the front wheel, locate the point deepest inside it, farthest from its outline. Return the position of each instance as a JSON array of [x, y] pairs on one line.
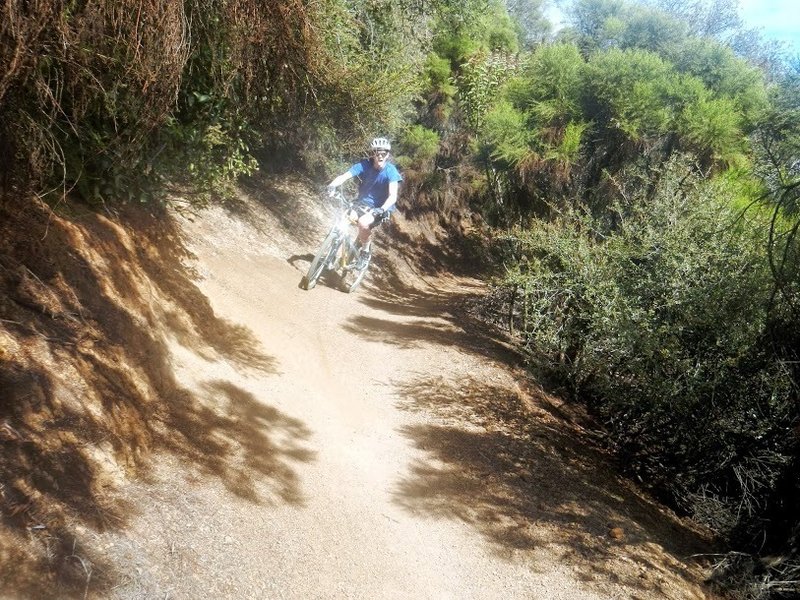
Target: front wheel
[[354, 277], [326, 252]]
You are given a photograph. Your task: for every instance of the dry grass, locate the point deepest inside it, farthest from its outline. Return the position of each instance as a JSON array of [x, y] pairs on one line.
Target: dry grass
[[85, 87]]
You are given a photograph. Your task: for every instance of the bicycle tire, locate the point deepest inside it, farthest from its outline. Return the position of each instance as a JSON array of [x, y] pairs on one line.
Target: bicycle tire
[[358, 277], [327, 249]]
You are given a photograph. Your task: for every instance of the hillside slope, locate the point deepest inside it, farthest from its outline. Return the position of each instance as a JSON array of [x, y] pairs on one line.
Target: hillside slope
[[181, 420]]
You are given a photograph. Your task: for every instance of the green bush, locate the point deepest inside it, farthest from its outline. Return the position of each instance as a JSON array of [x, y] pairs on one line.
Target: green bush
[[658, 319], [438, 76], [479, 84], [567, 149], [627, 91], [505, 138], [470, 27], [419, 145], [714, 127], [724, 74], [550, 84]]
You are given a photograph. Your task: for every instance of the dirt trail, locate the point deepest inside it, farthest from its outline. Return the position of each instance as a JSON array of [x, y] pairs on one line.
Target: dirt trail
[[397, 453]]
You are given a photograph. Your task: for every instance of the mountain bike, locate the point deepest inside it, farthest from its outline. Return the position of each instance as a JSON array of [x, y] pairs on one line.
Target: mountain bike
[[339, 250]]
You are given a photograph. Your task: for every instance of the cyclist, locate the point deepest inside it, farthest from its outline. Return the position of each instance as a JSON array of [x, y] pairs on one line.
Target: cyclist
[[378, 189]]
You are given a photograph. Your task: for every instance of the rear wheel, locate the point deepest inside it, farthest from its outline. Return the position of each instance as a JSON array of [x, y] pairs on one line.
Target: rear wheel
[[326, 252]]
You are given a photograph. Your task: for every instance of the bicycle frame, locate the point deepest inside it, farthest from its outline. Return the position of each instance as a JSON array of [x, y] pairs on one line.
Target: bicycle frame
[[345, 229], [338, 252]]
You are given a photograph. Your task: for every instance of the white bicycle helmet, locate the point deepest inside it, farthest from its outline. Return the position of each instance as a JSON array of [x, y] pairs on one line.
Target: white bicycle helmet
[[380, 143]]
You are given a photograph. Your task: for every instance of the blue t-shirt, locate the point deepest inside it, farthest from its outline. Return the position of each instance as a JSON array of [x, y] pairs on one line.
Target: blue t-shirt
[[374, 187]]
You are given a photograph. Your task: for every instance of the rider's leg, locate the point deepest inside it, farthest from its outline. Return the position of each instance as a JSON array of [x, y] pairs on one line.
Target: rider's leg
[[365, 225], [364, 230]]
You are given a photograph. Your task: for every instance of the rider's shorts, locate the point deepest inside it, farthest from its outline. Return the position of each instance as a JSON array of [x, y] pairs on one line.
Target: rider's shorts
[[364, 208]]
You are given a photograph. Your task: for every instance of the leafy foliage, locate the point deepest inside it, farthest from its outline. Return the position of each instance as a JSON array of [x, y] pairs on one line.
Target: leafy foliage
[[113, 85], [120, 100], [480, 80], [566, 151], [606, 24], [778, 141], [714, 126], [660, 323], [724, 75], [472, 27], [628, 91], [534, 28], [551, 83], [505, 138], [419, 146]]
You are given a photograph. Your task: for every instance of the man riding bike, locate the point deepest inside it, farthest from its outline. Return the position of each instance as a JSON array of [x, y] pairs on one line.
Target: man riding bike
[[378, 189]]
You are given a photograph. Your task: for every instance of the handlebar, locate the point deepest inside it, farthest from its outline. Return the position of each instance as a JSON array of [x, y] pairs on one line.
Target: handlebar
[[345, 203], [338, 196]]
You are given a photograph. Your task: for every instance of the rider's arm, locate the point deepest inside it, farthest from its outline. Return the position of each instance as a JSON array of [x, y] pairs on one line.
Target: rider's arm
[[394, 186], [340, 179]]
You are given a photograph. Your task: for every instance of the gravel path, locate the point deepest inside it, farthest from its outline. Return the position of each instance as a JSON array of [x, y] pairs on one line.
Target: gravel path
[[375, 445]]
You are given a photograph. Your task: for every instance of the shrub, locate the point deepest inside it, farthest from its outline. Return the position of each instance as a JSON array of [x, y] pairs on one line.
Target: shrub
[[627, 92], [115, 108], [657, 317], [505, 136], [419, 146], [551, 74]]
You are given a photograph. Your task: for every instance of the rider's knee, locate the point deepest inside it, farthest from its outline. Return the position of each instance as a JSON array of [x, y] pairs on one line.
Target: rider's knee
[[365, 220]]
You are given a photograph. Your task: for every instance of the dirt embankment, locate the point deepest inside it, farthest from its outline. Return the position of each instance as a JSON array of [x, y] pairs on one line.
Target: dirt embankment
[[179, 419]]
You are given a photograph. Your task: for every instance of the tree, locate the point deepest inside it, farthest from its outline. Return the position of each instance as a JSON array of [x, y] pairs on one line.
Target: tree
[[529, 15], [718, 19]]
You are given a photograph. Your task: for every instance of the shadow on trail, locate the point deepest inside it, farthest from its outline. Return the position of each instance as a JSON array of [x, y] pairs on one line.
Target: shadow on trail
[[88, 393], [439, 317], [250, 442], [524, 482], [511, 464]]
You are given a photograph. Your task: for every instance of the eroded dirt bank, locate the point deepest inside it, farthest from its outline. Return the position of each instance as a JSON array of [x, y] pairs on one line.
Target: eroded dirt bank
[[193, 424]]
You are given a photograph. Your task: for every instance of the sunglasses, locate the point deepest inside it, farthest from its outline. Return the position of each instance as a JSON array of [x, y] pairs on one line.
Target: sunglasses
[[380, 153]]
